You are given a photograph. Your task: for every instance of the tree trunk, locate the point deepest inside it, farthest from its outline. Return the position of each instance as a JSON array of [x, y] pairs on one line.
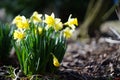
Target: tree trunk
[[90, 17]]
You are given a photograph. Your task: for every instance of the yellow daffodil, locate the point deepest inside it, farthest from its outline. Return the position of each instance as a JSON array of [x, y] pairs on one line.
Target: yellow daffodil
[[19, 35], [50, 20], [39, 30], [21, 22], [17, 19], [58, 26], [36, 17], [23, 25], [67, 32], [55, 61], [72, 22]]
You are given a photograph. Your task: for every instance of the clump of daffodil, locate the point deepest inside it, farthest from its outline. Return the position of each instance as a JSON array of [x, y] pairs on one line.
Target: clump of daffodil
[[42, 42]]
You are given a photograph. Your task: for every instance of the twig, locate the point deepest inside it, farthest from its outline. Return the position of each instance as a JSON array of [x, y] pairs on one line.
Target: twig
[[115, 32], [112, 41], [118, 12]]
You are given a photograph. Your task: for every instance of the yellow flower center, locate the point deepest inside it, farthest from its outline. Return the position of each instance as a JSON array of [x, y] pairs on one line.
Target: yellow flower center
[[50, 21], [23, 25]]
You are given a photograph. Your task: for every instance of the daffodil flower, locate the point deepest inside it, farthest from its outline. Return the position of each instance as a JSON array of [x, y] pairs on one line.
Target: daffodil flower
[[72, 22], [67, 32], [17, 19], [55, 61], [23, 25], [51, 21], [36, 17], [18, 34], [58, 26], [21, 22], [40, 30]]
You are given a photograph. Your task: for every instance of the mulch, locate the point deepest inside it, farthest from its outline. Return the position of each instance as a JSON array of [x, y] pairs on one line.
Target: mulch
[[94, 61]]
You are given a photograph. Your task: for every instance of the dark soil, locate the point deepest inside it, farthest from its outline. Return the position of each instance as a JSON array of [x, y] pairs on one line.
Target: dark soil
[[94, 61]]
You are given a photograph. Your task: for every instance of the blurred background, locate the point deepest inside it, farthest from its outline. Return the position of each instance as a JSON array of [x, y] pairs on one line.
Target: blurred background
[[90, 13]]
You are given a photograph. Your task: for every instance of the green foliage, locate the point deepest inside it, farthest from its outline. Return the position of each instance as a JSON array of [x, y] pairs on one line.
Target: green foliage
[[5, 41], [11, 72]]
